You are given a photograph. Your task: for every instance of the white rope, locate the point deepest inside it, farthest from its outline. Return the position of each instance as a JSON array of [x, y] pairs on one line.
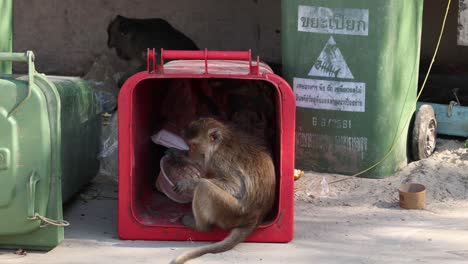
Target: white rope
[[49, 221]]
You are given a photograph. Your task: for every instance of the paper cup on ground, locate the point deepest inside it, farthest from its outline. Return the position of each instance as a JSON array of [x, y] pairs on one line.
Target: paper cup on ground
[[412, 196]]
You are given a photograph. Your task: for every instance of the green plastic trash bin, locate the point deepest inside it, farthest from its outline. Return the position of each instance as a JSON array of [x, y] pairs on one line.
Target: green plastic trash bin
[[49, 143], [353, 65], [6, 22]]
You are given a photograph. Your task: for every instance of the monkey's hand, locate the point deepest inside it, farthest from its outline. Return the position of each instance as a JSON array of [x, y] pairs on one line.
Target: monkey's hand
[[185, 185]]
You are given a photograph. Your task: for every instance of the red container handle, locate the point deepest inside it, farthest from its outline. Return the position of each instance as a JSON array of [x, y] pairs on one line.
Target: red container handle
[[201, 55], [205, 55]]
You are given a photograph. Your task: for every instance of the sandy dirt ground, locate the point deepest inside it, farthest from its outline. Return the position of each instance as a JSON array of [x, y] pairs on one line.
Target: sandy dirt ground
[[444, 174], [357, 221]]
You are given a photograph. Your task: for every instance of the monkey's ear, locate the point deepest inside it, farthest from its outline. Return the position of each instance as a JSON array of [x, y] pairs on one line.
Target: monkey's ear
[[214, 134]]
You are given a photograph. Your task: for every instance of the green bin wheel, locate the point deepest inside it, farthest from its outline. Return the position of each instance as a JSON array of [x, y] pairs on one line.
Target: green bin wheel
[[424, 133]]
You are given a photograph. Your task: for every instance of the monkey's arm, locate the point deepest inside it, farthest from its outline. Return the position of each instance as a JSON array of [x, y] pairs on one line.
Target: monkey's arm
[[186, 185]]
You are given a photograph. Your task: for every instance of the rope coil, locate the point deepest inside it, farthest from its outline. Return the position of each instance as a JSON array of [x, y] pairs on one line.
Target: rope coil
[[48, 221]]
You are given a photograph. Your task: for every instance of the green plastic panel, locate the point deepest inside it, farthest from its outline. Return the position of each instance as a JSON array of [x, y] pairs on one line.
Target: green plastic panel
[[49, 142], [6, 26], [27, 154], [80, 131], [353, 65]]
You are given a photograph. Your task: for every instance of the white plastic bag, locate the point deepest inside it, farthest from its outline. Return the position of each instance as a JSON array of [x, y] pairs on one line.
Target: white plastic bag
[[109, 150], [316, 188]]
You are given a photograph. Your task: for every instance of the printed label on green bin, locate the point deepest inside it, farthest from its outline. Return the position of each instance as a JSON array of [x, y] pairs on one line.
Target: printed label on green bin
[[333, 153], [345, 143], [331, 63], [347, 21], [330, 95]]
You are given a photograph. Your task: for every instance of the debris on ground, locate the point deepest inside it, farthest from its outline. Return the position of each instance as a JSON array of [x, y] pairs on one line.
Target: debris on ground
[[298, 174], [106, 71], [443, 174], [21, 252]]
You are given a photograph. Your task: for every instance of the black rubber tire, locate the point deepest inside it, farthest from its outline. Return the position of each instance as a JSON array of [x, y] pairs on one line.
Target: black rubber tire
[[424, 133]]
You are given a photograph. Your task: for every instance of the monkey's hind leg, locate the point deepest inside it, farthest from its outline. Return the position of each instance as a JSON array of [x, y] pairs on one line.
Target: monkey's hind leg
[[189, 220], [214, 206]]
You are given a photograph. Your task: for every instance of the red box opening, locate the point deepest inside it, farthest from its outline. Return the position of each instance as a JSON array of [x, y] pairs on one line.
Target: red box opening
[[145, 213]]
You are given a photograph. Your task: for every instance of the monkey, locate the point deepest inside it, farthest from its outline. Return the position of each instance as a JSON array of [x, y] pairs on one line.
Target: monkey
[[237, 190], [131, 37]]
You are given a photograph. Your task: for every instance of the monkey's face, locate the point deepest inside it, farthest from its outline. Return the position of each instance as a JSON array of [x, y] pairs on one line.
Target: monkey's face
[[120, 37], [203, 137], [197, 150]]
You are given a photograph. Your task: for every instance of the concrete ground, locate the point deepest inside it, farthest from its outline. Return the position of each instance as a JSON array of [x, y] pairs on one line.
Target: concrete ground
[[323, 234], [341, 228]]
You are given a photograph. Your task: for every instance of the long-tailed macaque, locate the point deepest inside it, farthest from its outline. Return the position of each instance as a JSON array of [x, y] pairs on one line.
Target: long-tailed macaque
[[131, 37], [238, 189]]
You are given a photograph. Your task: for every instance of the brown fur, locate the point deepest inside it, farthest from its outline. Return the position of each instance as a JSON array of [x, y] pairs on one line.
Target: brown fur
[[241, 190]]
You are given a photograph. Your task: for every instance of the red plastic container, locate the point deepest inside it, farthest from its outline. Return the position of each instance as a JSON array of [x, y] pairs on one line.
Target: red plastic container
[[144, 213]]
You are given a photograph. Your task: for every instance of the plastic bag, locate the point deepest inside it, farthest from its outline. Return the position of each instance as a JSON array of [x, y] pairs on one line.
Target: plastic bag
[[317, 188], [169, 140], [107, 100], [109, 150]]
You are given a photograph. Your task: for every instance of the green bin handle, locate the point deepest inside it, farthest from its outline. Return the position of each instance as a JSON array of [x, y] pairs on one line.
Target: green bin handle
[[32, 214], [28, 57], [33, 179]]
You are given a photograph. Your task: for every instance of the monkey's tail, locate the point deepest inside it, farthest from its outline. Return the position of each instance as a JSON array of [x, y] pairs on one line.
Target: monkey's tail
[[236, 236]]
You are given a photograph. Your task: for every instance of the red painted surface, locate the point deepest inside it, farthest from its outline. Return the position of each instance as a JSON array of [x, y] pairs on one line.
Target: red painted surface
[[145, 214]]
